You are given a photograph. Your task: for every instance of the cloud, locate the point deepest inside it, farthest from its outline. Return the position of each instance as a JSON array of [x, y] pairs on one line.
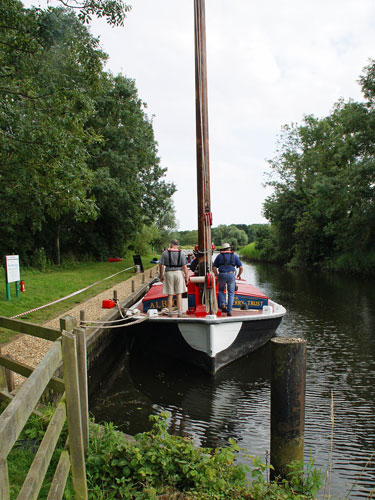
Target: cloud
[[269, 63]]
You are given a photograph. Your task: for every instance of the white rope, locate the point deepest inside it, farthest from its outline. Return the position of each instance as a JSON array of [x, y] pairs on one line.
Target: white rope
[[110, 327], [104, 322], [70, 295]]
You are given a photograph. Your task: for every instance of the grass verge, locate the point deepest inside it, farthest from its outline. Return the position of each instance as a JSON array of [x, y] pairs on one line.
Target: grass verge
[[250, 252], [43, 287]]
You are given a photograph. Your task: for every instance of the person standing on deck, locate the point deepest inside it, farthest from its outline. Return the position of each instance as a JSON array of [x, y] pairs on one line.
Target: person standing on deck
[[194, 263], [224, 268], [173, 273]]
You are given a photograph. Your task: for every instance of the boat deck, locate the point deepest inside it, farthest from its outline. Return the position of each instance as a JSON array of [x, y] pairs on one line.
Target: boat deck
[[273, 310]]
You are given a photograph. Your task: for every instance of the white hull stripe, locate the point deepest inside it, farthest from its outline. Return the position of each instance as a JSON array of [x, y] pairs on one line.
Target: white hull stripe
[[210, 338]]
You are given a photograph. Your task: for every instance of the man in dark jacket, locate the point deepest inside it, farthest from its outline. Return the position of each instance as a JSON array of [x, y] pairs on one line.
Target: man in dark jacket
[[224, 268]]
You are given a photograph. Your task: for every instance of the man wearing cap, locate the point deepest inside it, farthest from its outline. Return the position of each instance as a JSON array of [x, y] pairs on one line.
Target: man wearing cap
[[224, 268], [173, 272]]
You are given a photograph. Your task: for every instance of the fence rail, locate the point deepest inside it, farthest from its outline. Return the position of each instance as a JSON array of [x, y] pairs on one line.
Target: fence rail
[[69, 348], [42, 332]]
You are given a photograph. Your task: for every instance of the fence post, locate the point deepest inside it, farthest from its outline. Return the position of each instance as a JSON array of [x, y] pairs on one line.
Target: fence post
[[133, 286], [82, 318], [3, 379], [72, 391], [288, 380], [67, 323], [82, 380], [4, 480]]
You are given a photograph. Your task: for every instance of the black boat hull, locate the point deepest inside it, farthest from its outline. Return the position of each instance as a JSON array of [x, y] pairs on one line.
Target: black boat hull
[[208, 345]]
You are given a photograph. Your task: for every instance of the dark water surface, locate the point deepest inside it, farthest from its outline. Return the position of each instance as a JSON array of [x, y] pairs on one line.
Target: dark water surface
[[335, 314]]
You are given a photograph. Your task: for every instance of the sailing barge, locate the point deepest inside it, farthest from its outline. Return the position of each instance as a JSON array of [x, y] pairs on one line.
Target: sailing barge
[[203, 336]]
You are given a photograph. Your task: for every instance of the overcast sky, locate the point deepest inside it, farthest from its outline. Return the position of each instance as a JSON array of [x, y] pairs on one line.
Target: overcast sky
[[269, 63]]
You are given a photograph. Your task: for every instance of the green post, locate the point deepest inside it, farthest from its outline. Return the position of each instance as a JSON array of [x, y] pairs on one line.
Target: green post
[[18, 294], [7, 288]]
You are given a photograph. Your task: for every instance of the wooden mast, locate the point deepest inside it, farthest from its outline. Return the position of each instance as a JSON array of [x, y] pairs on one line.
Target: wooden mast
[[202, 143]]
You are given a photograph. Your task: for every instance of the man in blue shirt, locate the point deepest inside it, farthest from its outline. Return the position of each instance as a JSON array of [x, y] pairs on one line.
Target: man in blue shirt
[[224, 268]]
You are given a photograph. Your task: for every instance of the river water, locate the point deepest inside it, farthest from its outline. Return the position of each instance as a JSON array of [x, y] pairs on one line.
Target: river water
[[335, 314]]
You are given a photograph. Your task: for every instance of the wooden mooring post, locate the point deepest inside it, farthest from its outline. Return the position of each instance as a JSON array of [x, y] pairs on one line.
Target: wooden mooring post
[[288, 380]]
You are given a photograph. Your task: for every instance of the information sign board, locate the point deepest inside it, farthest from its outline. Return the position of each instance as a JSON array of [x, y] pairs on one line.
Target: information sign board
[[12, 268]]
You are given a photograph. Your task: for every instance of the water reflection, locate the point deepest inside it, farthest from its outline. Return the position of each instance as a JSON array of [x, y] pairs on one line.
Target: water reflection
[[334, 314], [210, 409]]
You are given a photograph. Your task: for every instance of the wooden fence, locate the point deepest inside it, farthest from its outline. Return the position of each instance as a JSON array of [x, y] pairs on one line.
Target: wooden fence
[[68, 348]]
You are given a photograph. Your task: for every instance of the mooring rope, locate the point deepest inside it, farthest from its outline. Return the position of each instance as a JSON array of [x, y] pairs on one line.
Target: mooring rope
[[70, 295], [103, 322], [110, 327]]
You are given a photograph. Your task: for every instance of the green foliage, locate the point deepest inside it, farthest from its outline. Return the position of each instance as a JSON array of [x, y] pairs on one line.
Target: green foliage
[[250, 252], [323, 204], [235, 234], [79, 164], [158, 461], [38, 259], [43, 287], [229, 234], [22, 454], [46, 97], [265, 247], [187, 238], [250, 230], [159, 464], [129, 188], [114, 11], [144, 240]]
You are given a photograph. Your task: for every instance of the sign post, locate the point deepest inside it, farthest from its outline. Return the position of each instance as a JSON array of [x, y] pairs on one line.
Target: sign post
[[12, 274]]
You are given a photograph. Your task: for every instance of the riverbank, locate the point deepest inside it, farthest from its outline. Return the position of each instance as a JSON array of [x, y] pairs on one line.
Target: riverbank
[[31, 350]]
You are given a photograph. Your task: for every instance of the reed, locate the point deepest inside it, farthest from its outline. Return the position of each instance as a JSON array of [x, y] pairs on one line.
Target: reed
[[328, 479]]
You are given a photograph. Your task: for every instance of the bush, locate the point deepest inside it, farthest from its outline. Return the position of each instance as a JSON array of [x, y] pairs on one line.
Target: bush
[[159, 464], [357, 263], [39, 260]]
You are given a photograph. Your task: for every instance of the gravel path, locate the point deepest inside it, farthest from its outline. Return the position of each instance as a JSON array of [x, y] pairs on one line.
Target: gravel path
[[31, 350]]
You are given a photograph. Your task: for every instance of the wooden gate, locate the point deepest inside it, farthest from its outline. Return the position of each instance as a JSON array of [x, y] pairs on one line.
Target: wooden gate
[[68, 349]]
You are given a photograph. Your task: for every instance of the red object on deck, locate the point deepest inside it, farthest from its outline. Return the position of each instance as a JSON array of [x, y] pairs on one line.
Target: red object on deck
[[209, 280], [108, 304]]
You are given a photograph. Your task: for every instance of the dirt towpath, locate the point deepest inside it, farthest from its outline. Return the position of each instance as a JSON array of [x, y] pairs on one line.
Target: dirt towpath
[[31, 350]]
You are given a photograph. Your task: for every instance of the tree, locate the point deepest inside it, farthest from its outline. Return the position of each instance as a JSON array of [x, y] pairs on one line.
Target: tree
[[129, 188], [78, 157], [113, 10], [323, 178], [50, 73], [229, 234]]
